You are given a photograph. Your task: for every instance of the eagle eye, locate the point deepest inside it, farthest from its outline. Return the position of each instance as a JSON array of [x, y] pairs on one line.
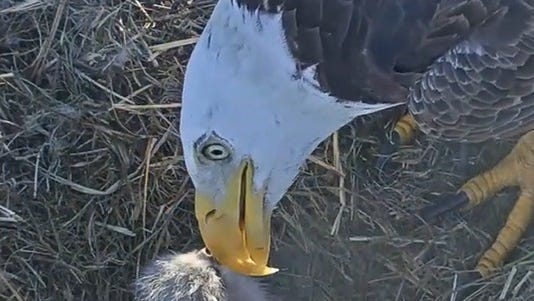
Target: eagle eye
[[215, 151]]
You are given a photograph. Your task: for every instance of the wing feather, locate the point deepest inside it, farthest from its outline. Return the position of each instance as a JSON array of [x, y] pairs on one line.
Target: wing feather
[[465, 67], [483, 88]]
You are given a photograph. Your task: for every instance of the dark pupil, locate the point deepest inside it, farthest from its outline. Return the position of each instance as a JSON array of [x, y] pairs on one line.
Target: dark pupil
[[216, 152]]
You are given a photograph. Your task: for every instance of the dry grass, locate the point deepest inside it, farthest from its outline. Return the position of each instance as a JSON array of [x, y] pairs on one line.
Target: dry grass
[[92, 183]]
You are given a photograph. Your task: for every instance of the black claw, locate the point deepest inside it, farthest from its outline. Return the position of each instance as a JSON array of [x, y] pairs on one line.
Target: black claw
[[445, 203], [395, 138], [468, 284], [387, 149], [385, 152], [469, 279]]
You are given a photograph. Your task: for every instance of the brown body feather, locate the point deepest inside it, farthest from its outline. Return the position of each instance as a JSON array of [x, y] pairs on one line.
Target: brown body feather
[[464, 67]]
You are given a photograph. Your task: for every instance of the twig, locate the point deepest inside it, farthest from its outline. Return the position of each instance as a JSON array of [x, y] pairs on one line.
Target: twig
[[36, 174], [10, 287], [10, 216], [394, 239], [341, 186], [325, 165], [117, 229], [142, 8], [160, 48], [509, 280], [25, 6], [105, 89], [148, 154], [45, 48], [128, 107], [454, 287], [175, 44], [516, 289], [7, 75]]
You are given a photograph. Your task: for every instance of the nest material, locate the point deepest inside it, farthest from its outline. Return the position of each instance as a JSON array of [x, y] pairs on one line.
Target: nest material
[[93, 186]]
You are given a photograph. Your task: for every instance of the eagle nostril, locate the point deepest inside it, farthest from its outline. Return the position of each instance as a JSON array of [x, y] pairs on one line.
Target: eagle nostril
[[209, 215]]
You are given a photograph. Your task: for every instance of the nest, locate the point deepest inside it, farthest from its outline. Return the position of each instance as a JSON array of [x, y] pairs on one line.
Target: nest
[[93, 185]]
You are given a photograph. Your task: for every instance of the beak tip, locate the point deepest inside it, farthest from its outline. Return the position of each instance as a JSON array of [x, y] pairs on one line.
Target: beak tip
[[258, 271], [248, 267], [271, 271]]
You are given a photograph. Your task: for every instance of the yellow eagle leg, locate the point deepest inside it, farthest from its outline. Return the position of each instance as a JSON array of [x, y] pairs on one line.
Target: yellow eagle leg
[[509, 236], [516, 169], [482, 187], [404, 130]]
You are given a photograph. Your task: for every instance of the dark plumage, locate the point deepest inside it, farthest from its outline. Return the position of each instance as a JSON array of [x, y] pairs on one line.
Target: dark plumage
[[194, 276], [465, 67]]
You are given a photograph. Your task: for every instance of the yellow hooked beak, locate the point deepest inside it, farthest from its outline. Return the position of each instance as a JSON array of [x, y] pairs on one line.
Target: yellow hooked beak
[[237, 231]]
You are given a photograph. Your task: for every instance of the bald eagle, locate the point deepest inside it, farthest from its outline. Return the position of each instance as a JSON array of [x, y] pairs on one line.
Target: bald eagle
[[269, 80]]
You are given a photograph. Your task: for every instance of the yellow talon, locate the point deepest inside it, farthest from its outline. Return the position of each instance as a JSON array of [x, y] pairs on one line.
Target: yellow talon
[[509, 236], [405, 129], [516, 169]]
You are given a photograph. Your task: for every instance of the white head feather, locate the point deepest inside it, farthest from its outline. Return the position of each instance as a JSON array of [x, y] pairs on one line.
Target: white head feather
[[240, 90]]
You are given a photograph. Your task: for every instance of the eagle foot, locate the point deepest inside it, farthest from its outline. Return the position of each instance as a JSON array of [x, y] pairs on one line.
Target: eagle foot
[[402, 134], [516, 169], [404, 130]]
